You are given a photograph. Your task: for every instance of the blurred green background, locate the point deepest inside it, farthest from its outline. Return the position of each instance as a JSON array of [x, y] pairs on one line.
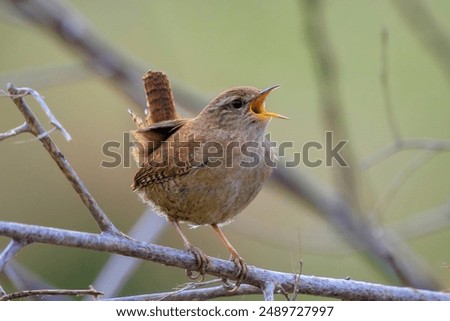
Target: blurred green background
[[213, 45]]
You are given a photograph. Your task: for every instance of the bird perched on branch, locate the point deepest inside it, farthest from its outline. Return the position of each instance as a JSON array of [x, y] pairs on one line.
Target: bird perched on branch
[[207, 169]]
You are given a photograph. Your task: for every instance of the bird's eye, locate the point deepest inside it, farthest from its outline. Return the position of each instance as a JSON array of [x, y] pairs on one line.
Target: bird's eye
[[237, 103]]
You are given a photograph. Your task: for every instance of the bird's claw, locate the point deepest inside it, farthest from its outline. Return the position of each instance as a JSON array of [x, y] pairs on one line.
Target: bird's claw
[[202, 264], [241, 275]]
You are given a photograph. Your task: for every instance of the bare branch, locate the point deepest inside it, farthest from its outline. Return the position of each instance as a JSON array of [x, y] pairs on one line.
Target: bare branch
[[28, 91], [12, 249], [268, 290], [398, 181], [69, 26], [23, 278], [365, 235], [384, 78], [147, 229], [327, 76], [44, 292], [345, 212], [192, 291], [36, 129], [297, 282], [15, 131], [47, 76], [399, 144], [433, 36], [433, 145], [343, 289], [426, 222], [191, 294]]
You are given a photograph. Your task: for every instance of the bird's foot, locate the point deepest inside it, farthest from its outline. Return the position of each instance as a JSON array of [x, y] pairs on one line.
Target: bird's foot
[[202, 264], [241, 275]]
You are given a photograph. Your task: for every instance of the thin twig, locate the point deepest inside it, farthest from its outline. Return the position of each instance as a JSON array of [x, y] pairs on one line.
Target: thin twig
[[398, 181], [47, 76], [191, 294], [23, 278], [296, 284], [15, 131], [100, 57], [343, 289], [347, 214], [23, 91], [12, 249], [428, 145], [384, 79], [423, 223], [44, 292], [364, 234], [434, 145], [36, 129], [327, 76], [186, 287], [433, 36], [297, 281], [282, 291]]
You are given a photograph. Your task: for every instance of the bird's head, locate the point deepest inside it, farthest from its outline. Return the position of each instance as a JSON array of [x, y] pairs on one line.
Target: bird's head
[[240, 108]]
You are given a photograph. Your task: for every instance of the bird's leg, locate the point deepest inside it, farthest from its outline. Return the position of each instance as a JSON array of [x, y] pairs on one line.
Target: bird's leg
[[236, 258], [200, 256]]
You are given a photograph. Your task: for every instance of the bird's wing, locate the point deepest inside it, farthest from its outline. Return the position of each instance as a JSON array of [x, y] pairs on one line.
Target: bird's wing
[[149, 139], [179, 155]]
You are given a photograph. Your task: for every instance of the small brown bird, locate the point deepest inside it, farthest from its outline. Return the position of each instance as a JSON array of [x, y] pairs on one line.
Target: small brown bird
[[207, 169]]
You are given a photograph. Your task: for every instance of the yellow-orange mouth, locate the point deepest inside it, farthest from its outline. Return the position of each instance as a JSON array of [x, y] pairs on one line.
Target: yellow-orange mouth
[[258, 105]]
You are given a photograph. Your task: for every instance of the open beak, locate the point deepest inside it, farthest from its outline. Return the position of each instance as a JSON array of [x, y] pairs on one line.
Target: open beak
[[258, 105]]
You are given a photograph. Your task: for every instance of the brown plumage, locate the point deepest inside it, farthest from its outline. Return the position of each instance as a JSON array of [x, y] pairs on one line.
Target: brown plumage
[[194, 170], [160, 100]]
